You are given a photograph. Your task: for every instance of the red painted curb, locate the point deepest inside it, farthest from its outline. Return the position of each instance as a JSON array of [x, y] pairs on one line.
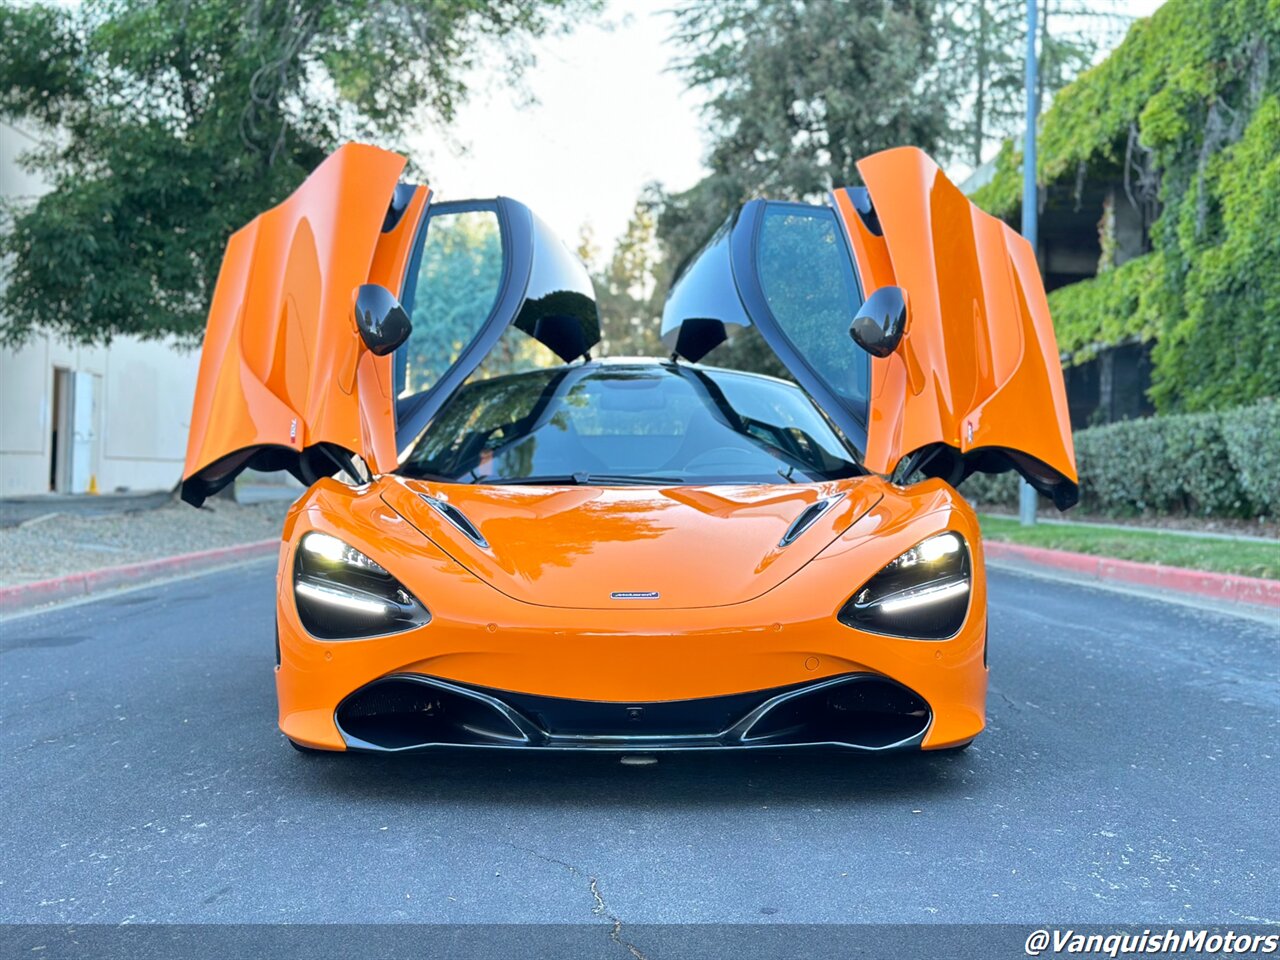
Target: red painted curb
[[1220, 586], [23, 596]]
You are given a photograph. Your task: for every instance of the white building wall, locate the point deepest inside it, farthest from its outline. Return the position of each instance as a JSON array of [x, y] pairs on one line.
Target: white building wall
[[143, 392]]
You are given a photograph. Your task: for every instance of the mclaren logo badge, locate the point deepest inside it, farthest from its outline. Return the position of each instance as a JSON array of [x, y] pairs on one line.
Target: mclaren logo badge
[[634, 595]]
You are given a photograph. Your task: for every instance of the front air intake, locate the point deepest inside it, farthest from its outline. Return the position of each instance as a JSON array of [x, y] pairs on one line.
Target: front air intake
[[858, 711], [863, 711], [401, 713]]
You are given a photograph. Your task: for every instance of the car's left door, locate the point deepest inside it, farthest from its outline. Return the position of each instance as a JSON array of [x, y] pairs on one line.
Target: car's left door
[[286, 381]]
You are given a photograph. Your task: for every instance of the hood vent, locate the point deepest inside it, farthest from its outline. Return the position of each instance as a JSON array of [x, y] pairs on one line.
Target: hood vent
[[457, 518], [808, 516]]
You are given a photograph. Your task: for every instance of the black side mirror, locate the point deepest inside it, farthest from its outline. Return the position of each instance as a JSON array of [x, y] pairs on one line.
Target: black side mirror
[[879, 325], [382, 322]]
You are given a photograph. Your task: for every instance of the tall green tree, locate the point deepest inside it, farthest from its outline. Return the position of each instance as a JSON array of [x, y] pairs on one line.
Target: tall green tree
[[981, 63], [169, 123], [796, 91]]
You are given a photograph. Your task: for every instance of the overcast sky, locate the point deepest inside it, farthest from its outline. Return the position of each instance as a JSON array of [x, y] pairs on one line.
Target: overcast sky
[[608, 119]]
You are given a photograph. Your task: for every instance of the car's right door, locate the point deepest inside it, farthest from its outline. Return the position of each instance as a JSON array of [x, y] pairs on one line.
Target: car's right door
[[977, 374], [975, 384]]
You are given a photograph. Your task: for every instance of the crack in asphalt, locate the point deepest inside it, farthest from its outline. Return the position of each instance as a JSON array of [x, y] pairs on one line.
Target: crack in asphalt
[[1009, 700], [601, 908], [615, 934]]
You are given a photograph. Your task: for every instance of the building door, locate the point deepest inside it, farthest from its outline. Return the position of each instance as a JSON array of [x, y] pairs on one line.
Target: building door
[[61, 432], [84, 436]]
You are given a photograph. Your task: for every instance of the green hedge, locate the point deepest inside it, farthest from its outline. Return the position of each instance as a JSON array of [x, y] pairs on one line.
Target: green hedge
[[1222, 464]]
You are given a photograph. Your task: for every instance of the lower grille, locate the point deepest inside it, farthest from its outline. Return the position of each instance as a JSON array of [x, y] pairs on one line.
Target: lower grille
[[407, 712]]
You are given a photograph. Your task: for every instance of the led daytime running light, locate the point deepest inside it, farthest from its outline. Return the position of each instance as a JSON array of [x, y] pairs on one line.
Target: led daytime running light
[[922, 594], [920, 598], [347, 601]]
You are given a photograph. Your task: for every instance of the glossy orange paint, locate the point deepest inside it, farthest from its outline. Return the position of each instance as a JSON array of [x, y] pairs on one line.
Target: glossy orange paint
[[541, 539], [978, 366], [740, 617], [283, 365], [284, 368]]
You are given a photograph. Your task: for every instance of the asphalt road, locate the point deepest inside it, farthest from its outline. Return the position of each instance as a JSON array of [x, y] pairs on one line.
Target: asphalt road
[[1129, 773]]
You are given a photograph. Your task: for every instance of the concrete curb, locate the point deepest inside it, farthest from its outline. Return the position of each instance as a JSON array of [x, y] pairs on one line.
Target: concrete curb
[[24, 596], [1218, 586]]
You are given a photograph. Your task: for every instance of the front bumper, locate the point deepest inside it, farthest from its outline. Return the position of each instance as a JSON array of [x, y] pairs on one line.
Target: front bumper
[[407, 712], [535, 658]]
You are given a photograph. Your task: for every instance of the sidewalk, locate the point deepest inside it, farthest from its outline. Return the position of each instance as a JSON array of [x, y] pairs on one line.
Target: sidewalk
[[18, 510], [53, 544], [1160, 527]]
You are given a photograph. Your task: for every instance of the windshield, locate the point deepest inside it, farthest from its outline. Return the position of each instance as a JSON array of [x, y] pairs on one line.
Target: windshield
[[619, 423]]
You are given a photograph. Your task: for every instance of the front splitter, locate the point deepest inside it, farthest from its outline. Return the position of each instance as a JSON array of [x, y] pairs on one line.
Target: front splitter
[[411, 712]]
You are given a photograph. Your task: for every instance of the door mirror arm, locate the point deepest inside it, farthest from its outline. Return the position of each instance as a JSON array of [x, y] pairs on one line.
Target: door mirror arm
[[880, 323]]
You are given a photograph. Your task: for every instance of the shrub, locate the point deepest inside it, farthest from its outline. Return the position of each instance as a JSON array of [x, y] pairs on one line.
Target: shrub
[[1252, 436], [1221, 464], [1000, 488]]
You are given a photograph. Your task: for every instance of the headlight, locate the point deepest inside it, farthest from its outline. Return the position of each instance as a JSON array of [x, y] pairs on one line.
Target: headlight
[[342, 594], [923, 594]]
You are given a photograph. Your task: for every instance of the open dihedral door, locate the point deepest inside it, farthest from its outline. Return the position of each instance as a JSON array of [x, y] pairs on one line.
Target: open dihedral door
[[286, 380], [976, 382]]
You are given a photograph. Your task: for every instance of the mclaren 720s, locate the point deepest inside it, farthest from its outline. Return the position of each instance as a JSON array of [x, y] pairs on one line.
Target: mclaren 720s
[[508, 540]]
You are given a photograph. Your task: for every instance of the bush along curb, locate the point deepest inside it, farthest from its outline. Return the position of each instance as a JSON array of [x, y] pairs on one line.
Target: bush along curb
[[1219, 586], [1224, 463], [24, 596]]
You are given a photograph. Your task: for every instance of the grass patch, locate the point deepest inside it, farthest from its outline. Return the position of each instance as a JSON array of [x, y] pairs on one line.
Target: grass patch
[[1145, 546]]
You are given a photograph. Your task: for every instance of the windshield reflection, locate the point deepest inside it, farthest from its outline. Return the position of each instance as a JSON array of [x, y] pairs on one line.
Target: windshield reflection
[[614, 423]]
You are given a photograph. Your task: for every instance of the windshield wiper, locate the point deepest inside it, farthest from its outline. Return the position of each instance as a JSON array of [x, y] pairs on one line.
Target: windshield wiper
[[586, 480]]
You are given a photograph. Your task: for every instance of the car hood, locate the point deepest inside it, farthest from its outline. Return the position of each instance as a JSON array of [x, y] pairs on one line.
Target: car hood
[[631, 547]]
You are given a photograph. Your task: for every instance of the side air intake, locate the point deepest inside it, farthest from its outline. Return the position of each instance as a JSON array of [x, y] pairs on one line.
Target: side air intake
[[872, 713], [808, 517], [457, 518]]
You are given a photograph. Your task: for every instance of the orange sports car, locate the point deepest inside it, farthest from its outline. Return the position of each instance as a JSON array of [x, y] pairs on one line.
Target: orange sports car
[[507, 541]]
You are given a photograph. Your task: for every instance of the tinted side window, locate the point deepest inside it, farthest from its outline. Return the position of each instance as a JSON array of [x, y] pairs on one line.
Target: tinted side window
[[808, 282], [453, 292]]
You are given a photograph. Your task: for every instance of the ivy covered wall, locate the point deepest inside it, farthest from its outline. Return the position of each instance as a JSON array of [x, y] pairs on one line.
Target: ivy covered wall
[[1188, 106]]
